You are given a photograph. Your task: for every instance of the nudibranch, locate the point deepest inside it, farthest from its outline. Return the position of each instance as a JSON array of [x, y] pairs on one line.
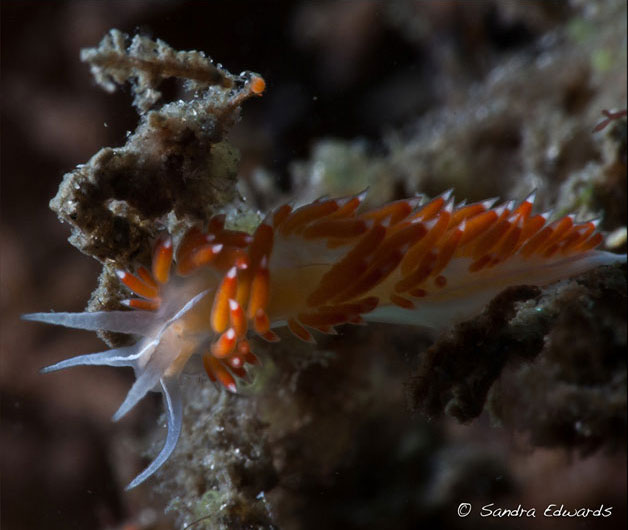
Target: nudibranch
[[316, 267]]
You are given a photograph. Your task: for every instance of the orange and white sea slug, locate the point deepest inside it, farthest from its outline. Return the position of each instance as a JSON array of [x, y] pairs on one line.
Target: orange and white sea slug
[[314, 268]]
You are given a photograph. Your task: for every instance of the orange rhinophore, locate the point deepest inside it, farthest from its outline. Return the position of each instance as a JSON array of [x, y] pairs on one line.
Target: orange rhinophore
[[315, 268]]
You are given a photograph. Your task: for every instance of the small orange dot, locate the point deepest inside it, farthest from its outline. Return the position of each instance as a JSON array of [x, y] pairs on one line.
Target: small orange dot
[[441, 281], [258, 85]]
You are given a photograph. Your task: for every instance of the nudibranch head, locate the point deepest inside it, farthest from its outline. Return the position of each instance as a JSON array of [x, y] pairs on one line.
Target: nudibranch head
[[314, 268]]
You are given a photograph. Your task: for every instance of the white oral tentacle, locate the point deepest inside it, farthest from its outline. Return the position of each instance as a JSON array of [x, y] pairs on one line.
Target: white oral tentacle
[[116, 357], [133, 322], [174, 411]]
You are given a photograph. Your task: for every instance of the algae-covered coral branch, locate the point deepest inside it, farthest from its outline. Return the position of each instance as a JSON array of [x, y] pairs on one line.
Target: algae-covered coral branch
[[146, 63], [175, 169], [549, 362]]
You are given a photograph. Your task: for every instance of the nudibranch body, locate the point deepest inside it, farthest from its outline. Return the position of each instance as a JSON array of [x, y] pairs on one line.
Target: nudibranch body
[[314, 268]]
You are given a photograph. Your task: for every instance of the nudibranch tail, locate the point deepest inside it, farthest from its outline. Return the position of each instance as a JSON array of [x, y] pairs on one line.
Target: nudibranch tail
[[317, 267]]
